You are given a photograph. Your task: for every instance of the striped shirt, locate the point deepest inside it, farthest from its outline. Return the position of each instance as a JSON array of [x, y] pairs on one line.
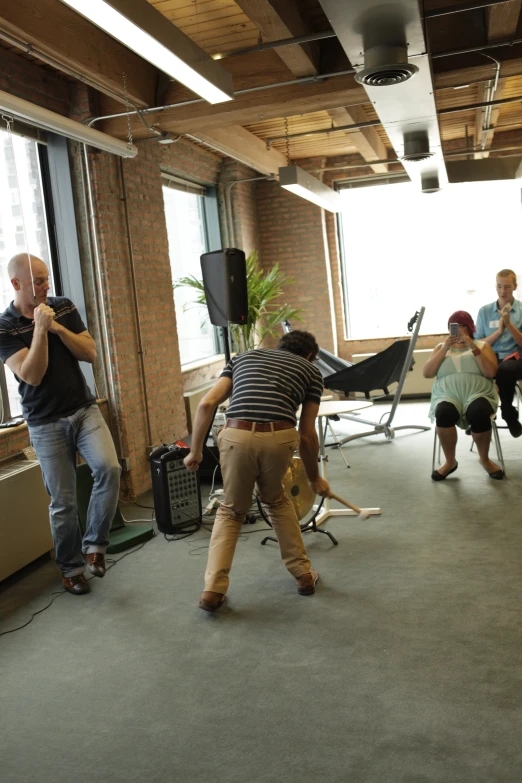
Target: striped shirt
[[270, 385]]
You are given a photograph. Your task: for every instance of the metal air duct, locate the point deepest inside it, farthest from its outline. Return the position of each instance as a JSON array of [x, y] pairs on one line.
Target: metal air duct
[[416, 147], [485, 169], [385, 66], [386, 33]]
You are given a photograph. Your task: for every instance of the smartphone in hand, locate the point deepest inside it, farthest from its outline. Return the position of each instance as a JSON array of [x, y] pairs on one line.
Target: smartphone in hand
[[454, 330]]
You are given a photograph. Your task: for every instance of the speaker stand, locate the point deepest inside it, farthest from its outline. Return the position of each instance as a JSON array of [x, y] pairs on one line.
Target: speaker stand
[[226, 343]]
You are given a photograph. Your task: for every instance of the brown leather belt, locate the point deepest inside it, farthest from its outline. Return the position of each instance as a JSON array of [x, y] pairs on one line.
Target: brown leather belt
[[259, 426]]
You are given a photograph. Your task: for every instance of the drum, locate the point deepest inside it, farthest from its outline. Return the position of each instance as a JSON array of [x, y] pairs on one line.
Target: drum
[[298, 489]]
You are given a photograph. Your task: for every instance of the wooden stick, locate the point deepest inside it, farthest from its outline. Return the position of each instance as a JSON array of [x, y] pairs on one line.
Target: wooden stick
[[344, 502]]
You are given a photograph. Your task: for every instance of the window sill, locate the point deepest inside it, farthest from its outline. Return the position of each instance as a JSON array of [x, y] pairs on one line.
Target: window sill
[[5, 432], [218, 357]]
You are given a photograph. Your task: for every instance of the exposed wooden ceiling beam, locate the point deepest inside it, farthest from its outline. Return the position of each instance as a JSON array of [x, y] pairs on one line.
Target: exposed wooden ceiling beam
[[74, 43], [279, 19], [240, 144], [367, 140], [502, 20], [249, 108], [275, 17], [476, 73]]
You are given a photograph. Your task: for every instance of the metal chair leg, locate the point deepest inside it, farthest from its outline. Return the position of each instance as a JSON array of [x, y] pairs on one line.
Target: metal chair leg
[[434, 451], [500, 455]]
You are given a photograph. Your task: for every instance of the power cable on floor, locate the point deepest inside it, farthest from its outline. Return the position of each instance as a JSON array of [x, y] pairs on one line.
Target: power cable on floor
[[111, 563], [132, 499]]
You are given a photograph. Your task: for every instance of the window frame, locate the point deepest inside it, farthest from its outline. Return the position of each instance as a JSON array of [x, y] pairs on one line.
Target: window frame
[[209, 211], [351, 184], [64, 253]]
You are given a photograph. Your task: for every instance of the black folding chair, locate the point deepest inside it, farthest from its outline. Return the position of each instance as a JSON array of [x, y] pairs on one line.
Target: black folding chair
[[376, 373], [379, 372]]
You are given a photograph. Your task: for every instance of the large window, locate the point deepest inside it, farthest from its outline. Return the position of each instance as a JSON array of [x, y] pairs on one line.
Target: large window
[[187, 214], [402, 249], [22, 202]]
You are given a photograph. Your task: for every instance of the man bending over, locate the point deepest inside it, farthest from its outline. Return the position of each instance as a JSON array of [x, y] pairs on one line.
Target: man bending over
[[256, 446]]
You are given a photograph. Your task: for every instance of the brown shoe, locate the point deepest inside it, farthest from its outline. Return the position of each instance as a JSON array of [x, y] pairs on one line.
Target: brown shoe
[[96, 563], [306, 583], [77, 585], [211, 601]]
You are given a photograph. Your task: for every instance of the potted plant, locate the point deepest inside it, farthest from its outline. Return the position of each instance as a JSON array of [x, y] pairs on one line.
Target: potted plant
[[265, 313]]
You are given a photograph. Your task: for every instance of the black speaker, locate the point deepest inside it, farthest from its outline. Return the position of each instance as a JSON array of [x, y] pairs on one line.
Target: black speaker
[[224, 279], [177, 496]]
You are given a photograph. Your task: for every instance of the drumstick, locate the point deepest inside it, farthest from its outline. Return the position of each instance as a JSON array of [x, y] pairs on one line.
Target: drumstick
[[363, 514]]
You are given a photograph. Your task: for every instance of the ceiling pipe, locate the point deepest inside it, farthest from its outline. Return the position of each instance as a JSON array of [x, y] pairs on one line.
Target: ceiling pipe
[[455, 9], [229, 206], [167, 107], [264, 47], [336, 129], [451, 154], [482, 105], [488, 113], [473, 49], [374, 123]]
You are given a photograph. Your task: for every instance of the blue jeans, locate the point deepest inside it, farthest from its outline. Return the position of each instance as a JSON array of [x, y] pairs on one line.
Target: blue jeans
[[56, 445]]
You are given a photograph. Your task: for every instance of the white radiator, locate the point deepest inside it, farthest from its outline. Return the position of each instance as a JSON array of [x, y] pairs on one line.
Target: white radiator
[[415, 382], [24, 516]]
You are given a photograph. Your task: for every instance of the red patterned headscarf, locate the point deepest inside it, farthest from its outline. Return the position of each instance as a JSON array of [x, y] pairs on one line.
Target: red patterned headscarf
[[464, 319]]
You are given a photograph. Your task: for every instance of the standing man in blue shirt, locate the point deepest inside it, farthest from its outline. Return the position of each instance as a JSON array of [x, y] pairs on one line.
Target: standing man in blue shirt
[[500, 325]]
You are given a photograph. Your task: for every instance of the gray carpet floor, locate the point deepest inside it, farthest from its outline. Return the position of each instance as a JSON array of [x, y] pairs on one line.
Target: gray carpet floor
[[404, 667]]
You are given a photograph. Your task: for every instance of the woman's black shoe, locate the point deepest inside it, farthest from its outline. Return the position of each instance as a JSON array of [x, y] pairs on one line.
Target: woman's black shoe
[[436, 476], [498, 475]]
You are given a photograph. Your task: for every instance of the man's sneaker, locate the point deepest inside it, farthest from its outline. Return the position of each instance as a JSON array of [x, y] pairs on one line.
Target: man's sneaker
[[77, 585], [515, 428], [306, 583], [96, 563]]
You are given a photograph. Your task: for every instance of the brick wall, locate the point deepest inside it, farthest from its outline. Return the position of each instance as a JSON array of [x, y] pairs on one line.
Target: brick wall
[[291, 234], [162, 382], [238, 209], [29, 81]]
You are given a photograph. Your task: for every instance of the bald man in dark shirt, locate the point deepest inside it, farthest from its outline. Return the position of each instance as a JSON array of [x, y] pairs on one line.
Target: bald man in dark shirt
[[42, 340]]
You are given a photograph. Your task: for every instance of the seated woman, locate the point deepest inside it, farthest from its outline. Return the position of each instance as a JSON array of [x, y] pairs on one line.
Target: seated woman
[[464, 393]]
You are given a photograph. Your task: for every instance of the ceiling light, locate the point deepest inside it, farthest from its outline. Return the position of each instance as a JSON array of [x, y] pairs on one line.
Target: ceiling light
[[138, 26], [302, 183], [49, 120]]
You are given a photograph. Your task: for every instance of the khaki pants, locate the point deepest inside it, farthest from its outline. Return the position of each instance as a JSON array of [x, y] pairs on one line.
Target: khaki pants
[[248, 458]]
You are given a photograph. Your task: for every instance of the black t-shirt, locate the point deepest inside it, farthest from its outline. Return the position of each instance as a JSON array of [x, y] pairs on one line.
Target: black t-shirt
[[63, 389]]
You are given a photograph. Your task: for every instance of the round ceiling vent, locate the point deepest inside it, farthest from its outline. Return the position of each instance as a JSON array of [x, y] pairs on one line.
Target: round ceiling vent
[[385, 66], [386, 75], [417, 148]]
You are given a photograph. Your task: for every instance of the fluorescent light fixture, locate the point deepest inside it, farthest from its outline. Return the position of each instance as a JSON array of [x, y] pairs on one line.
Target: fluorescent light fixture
[[140, 27], [302, 183], [50, 121]]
